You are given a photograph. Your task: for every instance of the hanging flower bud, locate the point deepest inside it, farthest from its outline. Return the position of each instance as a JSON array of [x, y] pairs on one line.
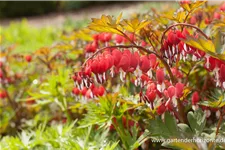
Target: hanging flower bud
[[171, 91], [101, 90], [125, 61], [152, 59], [3, 94], [160, 75], [222, 7], [216, 15], [83, 91], [195, 98], [173, 38], [161, 109], [116, 54], [179, 90], [134, 61], [144, 64], [28, 58], [193, 20], [119, 39], [151, 95], [76, 91]]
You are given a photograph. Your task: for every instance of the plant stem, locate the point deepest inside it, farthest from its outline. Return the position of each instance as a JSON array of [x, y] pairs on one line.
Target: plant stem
[[219, 122], [140, 48], [183, 24]]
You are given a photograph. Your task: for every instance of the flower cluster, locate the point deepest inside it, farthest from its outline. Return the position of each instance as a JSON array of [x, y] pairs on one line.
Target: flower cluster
[[147, 73], [103, 39], [91, 92], [174, 49]]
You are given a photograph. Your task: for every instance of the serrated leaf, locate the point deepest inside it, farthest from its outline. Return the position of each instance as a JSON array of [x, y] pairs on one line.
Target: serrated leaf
[[192, 6], [200, 43], [106, 24], [181, 16], [134, 25], [167, 129]]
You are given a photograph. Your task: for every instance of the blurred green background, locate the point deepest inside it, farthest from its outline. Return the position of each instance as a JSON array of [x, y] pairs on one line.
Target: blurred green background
[[28, 37], [12, 9]]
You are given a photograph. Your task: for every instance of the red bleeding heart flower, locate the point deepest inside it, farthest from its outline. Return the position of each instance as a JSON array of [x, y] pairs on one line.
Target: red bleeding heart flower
[[95, 37], [176, 73], [185, 2], [28, 58], [179, 90], [193, 20], [207, 21], [222, 7], [116, 54], [216, 15], [91, 47], [119, 39], [171, 91], [143, 43], [153, 60], [161, 109], [144, 64], [101, 90], [151, 92], [173, 38], [83, 91], [195, 98], [95, 66], [125, 61], [105, 37], [134, 61], [1, 73], [76, 91], [3, 94], [160, 75]]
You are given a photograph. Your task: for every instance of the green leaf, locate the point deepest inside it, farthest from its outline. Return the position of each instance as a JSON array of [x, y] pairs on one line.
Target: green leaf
[[197, 121], [167, 129], [184, 128], [144, 137], [111, 146], [205, 45], [200, 43], [171, 124], [217, 40], [215, 102]]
